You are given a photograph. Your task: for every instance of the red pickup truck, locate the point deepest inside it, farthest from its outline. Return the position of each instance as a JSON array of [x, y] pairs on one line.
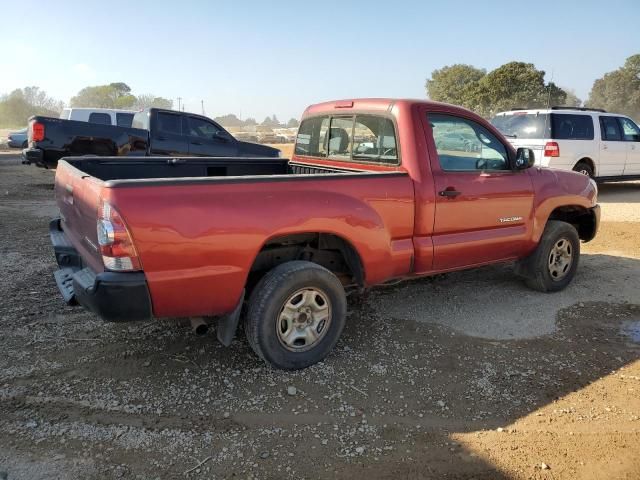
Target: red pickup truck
[[377, 190]]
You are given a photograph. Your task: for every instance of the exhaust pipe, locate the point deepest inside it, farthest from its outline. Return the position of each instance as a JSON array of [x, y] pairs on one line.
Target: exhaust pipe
[[199, 326]]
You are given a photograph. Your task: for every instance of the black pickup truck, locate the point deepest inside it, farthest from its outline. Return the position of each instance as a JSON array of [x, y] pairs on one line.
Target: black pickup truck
[[154, 132]]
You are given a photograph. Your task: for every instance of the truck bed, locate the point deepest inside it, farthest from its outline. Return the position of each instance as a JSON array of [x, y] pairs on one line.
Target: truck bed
[[116, 170]]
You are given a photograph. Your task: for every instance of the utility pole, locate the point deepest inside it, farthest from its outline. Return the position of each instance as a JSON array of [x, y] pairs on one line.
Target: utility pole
[[179, 99]]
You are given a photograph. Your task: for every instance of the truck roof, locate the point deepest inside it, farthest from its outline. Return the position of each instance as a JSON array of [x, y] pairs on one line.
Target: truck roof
[[374, 105]]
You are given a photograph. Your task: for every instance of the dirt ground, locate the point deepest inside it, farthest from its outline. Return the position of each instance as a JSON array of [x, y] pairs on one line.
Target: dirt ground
[[465, 375]]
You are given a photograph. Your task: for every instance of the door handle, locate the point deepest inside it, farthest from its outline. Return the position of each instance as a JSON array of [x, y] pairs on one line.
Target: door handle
[[449, 193], [161, 138], [604, 147], [196, 143]]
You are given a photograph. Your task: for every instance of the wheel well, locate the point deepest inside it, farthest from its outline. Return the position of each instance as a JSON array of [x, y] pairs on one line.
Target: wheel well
[[331, 251], [581, 218], [589, 162]]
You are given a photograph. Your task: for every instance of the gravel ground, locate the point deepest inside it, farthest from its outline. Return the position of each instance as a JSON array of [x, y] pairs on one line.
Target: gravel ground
[[467, 375]]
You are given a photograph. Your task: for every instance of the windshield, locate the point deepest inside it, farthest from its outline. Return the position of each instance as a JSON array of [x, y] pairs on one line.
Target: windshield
[[523, 125]]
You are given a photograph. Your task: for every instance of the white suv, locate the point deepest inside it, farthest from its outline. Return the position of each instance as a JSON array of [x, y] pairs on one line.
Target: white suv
[[602, 145]]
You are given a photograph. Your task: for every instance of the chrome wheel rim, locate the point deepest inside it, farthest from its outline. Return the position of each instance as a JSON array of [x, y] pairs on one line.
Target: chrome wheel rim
[[584, 172], [304, 319], [560, 259]]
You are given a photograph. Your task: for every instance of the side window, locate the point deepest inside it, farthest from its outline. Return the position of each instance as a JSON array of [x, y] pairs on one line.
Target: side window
[[571, 127], [199, 127], [374, 140], [169, 123], [630, 130], [340, 137], [124, 119], [610, 129], [312, 137], [464, 145], [100, 118]]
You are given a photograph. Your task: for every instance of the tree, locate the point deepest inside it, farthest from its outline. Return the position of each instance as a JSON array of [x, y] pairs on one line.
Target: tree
[[455, 84], [619, 91], [114, 95], [229, 120], [250, 121], [20, 104], [293, 123], [515, 84], [147, 100], [271, 121], [572, 99]]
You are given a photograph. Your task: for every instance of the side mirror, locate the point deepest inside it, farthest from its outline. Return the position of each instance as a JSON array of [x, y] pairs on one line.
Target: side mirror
[[524, 159]]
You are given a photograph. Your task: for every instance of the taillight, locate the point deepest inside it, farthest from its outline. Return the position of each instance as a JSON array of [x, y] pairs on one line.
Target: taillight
[[37, 131], [551, 149], [116, 245]]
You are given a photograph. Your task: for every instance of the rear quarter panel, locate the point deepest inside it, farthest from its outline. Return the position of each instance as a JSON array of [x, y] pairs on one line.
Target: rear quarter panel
[[197, 241]]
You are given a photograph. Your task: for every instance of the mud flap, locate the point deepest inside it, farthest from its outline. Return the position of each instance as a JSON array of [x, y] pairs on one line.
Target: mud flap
[[228, 324]]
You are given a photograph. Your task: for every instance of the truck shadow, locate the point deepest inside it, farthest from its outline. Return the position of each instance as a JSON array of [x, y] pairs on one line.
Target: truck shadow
[[623, 192], [419, 369]]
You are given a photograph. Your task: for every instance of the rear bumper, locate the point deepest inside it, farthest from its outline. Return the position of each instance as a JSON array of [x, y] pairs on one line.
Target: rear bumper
[[33, 155], [114, 296]]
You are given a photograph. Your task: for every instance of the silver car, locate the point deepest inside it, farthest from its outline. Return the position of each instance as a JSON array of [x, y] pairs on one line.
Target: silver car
[[17, 139]]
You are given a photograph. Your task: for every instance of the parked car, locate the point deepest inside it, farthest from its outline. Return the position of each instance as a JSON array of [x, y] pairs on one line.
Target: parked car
[[602, 145], [17, 139], [196, 237], [154, 131], [102, 116]]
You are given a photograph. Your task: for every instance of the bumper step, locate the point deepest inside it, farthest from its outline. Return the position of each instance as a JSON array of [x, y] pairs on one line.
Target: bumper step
[[64, 281]]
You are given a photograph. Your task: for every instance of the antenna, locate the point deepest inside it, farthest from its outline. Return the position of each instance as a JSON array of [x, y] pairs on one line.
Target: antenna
[[202, 105], [179, 99], [548, 115]]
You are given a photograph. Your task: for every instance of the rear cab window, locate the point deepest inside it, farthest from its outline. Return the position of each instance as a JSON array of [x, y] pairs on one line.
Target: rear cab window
[[359, 138], [124, 119], [100, 118], [169, 123]]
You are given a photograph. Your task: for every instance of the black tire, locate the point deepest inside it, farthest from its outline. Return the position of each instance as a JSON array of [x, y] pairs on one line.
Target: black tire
[[583, 168], [538, 270], [267, 302]]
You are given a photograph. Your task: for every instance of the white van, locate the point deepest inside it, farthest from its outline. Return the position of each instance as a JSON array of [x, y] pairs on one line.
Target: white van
[[602, 145], [103, 116]]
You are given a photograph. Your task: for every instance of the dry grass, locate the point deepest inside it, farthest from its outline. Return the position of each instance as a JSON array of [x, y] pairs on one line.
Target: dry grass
[[285, 148]]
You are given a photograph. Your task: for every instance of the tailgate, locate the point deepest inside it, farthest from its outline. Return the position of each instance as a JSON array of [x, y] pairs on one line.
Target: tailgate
[[78, 198]]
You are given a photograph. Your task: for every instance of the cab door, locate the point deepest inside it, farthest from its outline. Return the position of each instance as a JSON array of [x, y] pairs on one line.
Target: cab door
[[483, 208], [613, 149], [209, 139], [631, 135]]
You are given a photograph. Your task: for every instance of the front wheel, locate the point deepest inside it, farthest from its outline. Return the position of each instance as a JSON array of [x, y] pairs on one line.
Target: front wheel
[[296, 314], [552, 266]]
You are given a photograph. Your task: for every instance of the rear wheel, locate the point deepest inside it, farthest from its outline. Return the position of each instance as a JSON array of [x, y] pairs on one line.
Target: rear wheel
[[554, 263], [296, 314], [584, 168]]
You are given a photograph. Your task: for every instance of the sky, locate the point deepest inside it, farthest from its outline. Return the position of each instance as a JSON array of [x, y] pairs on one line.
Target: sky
[[258, 58]]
